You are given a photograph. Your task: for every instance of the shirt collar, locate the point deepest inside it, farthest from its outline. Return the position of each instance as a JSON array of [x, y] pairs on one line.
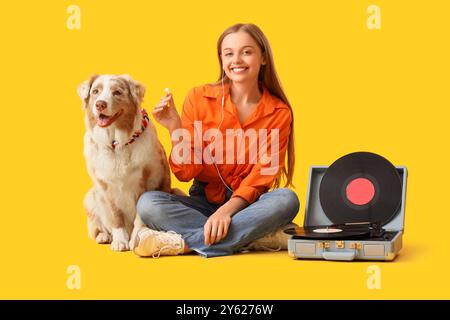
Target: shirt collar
[[215, 90], [266, 105]]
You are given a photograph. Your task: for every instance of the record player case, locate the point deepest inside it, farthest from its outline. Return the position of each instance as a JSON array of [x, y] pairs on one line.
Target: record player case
[[385, 248]]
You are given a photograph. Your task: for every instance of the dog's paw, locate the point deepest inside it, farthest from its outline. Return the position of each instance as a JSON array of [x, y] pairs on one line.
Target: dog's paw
[[103, 238], [132, 242], [119, 245]]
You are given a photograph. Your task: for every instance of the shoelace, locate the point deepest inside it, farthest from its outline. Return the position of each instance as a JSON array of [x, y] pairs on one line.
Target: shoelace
[[172, 242], [271, 238], [270, 249]]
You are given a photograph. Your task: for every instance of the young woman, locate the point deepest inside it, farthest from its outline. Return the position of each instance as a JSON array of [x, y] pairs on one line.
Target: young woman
[[230, 207]]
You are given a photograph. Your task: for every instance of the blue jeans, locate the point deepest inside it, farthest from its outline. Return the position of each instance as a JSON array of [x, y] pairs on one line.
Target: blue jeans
[[186, 215]]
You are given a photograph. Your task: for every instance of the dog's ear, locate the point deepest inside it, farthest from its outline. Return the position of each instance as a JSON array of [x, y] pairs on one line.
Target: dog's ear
[[137, 90], [84, 88]]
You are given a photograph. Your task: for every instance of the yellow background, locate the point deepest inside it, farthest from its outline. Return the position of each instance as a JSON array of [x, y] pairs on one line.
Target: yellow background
[[352, 89]]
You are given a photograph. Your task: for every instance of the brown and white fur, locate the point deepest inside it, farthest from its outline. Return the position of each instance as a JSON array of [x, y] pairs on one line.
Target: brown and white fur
[[120, 175]]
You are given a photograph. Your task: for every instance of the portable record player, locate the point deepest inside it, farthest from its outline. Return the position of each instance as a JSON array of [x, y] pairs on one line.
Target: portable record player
[[355, 210]]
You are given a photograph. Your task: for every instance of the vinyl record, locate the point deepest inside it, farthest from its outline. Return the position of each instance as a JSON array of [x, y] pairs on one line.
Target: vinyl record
[[328, 232], [360, 187]]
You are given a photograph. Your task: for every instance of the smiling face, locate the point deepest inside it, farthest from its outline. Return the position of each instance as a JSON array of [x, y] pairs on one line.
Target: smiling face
[[111, 99], [241, 57]]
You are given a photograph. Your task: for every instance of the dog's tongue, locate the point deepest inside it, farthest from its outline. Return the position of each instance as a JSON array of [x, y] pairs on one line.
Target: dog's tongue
[[102, 120]]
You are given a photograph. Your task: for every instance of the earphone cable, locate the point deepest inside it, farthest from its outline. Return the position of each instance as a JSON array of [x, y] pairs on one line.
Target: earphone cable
[[215, 138]]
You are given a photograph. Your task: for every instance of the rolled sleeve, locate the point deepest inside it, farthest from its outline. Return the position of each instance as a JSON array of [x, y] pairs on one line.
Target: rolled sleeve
[[248, 193]]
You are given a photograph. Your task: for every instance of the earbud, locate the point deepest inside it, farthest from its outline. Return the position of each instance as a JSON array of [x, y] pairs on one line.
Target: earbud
[[167, 93]]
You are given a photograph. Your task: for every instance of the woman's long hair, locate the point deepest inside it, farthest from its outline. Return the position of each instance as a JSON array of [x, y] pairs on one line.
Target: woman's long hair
[[269, 77]]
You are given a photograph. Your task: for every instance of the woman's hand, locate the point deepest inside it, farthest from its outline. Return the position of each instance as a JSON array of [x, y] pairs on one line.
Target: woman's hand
[[216, 227], [165, 115]]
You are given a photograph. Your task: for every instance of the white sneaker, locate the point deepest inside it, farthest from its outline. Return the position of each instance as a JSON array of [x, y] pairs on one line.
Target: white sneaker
[[152, 243], [274, 241]]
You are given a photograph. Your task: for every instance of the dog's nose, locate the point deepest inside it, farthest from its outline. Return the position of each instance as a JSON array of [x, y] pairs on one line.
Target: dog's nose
[[100, 105]]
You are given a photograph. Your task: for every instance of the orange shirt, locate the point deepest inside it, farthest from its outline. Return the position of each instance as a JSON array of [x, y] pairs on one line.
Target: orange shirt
[[203, 105]]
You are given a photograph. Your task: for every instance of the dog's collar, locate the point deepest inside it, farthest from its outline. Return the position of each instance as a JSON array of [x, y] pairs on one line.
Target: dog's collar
[[137, 133]]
